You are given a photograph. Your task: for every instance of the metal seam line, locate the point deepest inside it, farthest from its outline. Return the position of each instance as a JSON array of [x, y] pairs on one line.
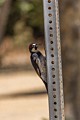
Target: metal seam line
[[59, 58], [53, 55]]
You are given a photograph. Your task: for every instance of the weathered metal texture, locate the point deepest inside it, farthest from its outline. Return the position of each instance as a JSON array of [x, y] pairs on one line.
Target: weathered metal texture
[[53, 55]]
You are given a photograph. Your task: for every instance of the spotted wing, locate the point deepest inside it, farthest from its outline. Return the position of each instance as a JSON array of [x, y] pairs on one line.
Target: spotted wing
[[39, 63]]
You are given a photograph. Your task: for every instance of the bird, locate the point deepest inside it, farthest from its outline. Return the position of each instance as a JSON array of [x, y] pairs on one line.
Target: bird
[[39, 62]]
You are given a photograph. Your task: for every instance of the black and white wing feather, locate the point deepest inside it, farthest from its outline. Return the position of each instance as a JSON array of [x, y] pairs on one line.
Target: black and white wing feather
[[39, 64]]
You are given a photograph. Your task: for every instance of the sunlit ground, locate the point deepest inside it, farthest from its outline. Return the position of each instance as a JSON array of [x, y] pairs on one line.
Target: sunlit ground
[[22, 97]]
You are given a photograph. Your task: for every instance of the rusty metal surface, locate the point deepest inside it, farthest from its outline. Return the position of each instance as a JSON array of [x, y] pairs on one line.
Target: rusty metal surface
[[54, 65]]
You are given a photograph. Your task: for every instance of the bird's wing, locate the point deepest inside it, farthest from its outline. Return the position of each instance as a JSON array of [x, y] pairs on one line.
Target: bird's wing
[[36, 63], [43, 68], [39, 63]]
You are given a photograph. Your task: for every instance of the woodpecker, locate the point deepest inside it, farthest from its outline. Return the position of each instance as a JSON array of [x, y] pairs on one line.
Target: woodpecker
[[39, 62]]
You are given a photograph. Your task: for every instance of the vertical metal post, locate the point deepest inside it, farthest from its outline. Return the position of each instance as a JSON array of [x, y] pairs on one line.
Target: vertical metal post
[[53, 55]]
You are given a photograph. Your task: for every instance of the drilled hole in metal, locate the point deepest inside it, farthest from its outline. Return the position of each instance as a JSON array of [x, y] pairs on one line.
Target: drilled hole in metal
[[51, 35], [52, 55], [54, 96], [49, 14], [49, 1], [53, 76], [52, 62], [50, 21], [50, 28], [55, 109], [55, 103], [53, 68], [54, 89], [56, 116], [52, 48], [54, 82], [51, 42], [49, 8]]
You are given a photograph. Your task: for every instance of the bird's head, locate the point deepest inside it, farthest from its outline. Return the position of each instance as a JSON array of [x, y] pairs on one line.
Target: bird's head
[[33, 47]]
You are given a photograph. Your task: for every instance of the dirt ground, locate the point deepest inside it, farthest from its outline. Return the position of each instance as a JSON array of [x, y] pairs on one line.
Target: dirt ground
[[22, 97]]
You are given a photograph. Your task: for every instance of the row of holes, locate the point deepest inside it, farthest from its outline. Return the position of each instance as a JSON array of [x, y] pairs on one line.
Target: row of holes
[[51, 35], [52, 55]]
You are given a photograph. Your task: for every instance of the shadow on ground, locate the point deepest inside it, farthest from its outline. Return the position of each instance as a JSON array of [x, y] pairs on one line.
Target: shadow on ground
[[23, 94]]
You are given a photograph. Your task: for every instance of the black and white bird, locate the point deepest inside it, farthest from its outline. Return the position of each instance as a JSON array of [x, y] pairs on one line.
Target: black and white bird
[[39, 62]]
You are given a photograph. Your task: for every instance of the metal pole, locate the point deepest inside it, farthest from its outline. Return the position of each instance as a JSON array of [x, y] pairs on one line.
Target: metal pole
[[53, 57]]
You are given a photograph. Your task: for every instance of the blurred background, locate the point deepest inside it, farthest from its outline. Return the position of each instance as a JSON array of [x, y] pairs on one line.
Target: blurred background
[[22, 93]]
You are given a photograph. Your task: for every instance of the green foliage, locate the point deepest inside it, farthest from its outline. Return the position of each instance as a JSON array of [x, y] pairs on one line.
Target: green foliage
[[32, 13], [14, 17], [35, 17], [22, 34], [29, 12], [1, 2], [25, 7], [25, 21]]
